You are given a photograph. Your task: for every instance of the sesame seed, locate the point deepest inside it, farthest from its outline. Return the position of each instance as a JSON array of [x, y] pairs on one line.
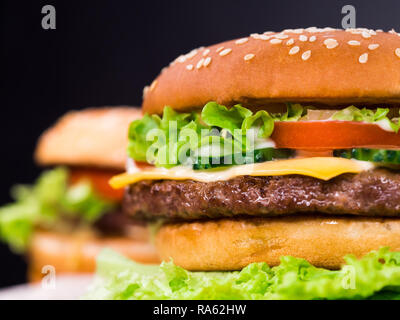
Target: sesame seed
[[189, 67], [200, 63], [206, 52], [330, 43], [241, 41], [255, 35], [191, 54], [354, 43], [207, 61], [219, 49], [366, 34], [281, 36], [181, 59], [275, 41], [303, 38], [363, 58], [153, 85], [225, 52], [289, 42], [248, 57], [312, 29], [373, 46], [264, 37], [306, 55], [312, 38], [145, 90], [294, 50], [397, 52]]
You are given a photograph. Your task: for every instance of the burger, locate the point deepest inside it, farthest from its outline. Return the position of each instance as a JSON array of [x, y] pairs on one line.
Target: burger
[[71, 212], [271, 165]]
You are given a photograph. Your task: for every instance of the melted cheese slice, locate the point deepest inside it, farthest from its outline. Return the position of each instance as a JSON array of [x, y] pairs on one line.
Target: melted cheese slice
[[324, 168]]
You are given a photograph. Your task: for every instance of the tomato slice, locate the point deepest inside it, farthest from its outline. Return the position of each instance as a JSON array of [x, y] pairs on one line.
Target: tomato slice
[[143, 165], [324, 135], [99, 179]]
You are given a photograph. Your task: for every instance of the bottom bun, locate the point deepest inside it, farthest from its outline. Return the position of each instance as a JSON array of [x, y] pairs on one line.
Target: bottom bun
[[233, 244], [77, 252]]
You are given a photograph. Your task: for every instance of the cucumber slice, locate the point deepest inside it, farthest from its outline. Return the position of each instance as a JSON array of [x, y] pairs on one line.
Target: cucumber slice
[[372, 155], [262, 155]]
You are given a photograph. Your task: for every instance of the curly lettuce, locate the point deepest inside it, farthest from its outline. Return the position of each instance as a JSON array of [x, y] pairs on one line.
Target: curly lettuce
[[375, 276], [379, 116], [185, 138], [207, 139], [45, 203]]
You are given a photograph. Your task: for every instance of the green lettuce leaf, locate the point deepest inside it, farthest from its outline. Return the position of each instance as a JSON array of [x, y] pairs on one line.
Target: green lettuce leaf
[[261, 121], [294, 112], [138, 130], [189, 138], [375, 276], [182, 119], [46, 203], [216, 115], [379, 116]]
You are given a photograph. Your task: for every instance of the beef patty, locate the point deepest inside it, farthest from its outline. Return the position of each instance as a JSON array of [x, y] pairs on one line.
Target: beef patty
[[370, 193]]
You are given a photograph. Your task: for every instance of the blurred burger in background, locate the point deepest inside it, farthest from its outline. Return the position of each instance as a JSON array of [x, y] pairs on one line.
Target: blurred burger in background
[[70, 213]]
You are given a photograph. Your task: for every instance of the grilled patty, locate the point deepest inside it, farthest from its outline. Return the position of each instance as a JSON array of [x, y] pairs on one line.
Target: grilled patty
[[370, 193]]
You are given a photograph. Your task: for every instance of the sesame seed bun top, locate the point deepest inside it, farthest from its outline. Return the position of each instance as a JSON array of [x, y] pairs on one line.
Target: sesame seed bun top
[[95, 137], [321, 66]]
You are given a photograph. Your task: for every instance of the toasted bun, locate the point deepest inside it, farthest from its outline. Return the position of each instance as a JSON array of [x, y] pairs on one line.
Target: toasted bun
[[76, 253], [91, 137], [275, 72], [233, 244]]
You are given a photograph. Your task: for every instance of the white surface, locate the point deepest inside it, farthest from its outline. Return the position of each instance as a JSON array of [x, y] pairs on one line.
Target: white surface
[[66, 287]]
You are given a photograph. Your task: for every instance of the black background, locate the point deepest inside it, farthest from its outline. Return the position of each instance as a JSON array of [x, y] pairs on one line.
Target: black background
[[105, 52]]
